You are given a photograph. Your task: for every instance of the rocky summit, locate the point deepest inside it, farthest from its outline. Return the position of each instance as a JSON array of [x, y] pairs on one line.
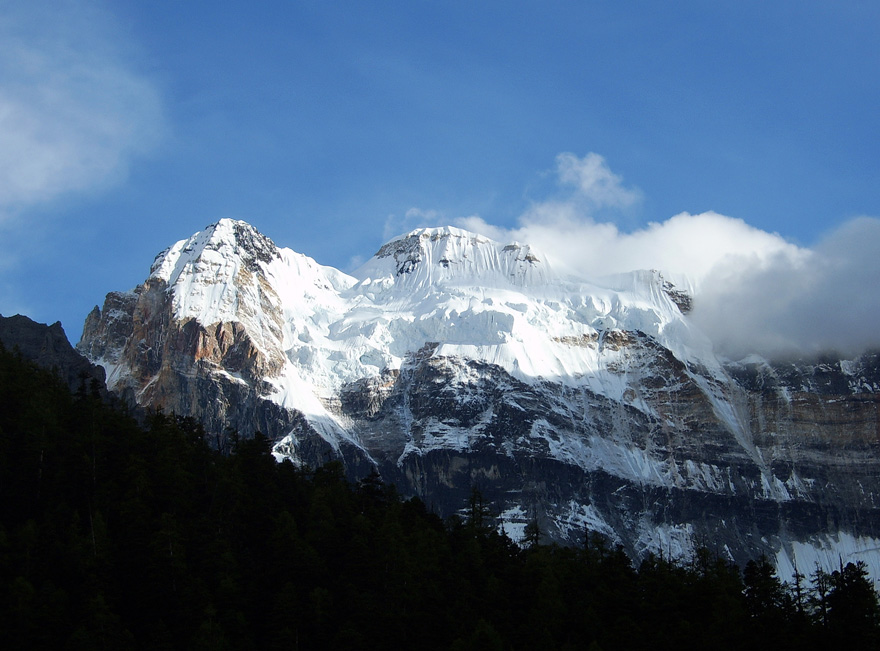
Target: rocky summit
[[450, 362]]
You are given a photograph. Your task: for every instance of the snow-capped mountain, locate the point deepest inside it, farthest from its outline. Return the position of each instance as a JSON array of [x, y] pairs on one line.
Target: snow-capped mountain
[[450, 361]]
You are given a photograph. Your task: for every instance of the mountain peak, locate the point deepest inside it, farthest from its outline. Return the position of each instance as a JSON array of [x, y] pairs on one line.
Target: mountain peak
[[224, 240], [421, 243], [429, 255]]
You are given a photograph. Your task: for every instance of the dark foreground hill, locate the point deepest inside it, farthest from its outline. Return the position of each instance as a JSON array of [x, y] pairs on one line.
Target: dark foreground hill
[[48, 347]]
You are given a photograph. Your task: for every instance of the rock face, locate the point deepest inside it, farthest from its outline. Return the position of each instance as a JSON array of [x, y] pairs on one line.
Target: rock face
[[449, 362]]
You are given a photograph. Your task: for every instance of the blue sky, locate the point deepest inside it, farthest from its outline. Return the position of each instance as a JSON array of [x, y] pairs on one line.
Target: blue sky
[[126, 126]]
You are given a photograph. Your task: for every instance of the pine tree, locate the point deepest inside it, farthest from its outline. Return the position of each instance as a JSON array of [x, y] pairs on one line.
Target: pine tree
[[853, 610], [764, 592], [532, 533]]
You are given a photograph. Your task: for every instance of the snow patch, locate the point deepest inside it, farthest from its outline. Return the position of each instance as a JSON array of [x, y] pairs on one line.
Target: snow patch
[[828, 553], [577, 519], [513, 522], [671, 541]]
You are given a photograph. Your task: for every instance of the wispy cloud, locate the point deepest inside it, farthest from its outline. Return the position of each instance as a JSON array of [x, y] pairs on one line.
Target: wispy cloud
[[414, 218], [755, 291], [594, 181], [73, 112]]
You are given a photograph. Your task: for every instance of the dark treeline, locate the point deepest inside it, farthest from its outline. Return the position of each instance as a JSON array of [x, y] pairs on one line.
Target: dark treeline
[[120, 536]]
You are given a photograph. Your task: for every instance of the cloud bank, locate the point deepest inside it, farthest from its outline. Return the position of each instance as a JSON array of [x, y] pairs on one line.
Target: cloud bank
[[828, 301], [73, 113], [755, 292]]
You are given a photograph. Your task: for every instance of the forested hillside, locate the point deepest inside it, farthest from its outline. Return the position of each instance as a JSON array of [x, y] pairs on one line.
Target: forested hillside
[[120, 536]]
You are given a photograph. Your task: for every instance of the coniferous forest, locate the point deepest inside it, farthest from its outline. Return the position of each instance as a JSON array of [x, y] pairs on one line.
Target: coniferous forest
[[120, 535]]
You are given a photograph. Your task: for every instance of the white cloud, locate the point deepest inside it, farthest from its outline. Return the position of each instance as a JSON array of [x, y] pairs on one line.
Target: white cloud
[[593, 181], [827, 302], [755, 291], [73, 113], [688, 245], [684, 245]]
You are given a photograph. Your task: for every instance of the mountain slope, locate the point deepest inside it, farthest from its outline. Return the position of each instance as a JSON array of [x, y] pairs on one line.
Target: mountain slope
[[450, 361]]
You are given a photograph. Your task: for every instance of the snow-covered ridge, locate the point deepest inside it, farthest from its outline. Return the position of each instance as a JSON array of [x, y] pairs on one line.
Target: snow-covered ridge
[[467, 295], [230, 272], [500, 303], [431, 256], [461, 294]]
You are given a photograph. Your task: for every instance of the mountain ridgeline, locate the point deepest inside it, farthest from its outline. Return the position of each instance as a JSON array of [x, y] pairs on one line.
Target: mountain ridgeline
[[450, 362]]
